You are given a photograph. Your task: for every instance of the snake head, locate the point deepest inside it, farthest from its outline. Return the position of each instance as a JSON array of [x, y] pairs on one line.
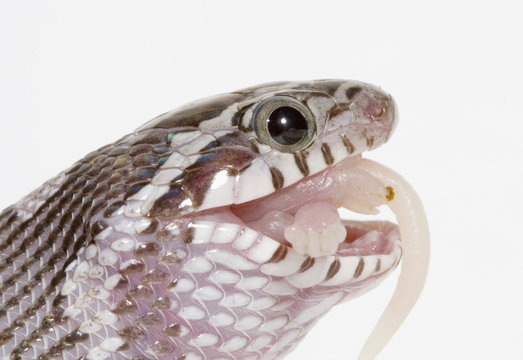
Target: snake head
[[246, 203]]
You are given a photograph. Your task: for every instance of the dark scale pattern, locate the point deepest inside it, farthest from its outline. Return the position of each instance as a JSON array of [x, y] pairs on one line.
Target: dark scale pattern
[[327, 155], [307, 264], [347, 143], [98, 184], [300, 158], [18, 231], [142, 308], [7, 217], [198, 177], [333, 269], [195, 114], [277, 178], [352, 92], [145, 249]]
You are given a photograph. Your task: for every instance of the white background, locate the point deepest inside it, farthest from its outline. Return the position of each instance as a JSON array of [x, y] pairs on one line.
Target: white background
[[75, 75]]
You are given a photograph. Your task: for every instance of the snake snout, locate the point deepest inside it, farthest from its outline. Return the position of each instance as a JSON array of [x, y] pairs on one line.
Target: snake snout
[[376, 111]]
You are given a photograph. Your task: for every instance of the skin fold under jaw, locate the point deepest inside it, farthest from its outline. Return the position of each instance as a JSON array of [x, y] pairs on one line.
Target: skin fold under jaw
[[213, 232]]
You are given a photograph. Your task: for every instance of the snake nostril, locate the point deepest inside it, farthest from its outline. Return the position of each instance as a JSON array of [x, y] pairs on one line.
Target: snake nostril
[[381, 110], [375, 110]]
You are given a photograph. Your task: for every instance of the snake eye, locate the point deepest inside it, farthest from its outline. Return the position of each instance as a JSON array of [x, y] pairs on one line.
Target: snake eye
[[284, 123]]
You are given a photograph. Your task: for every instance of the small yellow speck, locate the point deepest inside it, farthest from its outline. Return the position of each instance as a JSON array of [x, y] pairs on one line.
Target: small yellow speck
[[390, 193]]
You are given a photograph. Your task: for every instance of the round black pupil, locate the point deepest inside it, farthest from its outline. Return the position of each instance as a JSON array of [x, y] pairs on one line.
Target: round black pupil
[[286, 125]]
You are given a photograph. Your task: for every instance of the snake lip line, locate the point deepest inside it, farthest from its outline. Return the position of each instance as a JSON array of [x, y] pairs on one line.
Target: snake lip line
[[271, 214]]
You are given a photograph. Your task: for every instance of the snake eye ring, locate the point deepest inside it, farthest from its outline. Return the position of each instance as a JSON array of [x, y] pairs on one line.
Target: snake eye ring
[[284, 123]]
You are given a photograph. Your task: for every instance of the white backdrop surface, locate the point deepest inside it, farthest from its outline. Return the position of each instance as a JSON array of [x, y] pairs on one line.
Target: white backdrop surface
[[76, 75]]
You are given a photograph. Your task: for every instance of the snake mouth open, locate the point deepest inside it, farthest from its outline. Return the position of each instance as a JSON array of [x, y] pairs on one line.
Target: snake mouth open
[[305, 216]]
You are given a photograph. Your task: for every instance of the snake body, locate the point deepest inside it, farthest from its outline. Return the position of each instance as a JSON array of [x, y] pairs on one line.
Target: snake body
[[147, 248]]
